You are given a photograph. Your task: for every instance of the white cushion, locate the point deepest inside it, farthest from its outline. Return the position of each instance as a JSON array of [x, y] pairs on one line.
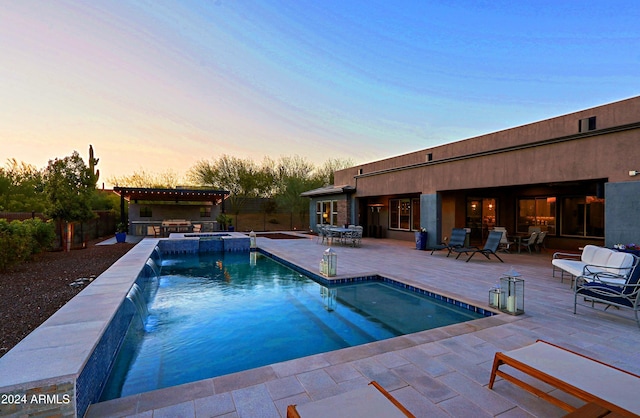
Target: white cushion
[[622, 260], [601, 257], [573, 267], [358, 403], [605, 382], [588, 253]]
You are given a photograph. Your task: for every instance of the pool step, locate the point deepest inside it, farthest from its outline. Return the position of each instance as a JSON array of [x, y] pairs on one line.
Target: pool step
[[347, 323]]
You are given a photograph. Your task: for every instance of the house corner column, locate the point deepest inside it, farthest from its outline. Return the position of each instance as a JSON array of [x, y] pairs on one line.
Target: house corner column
[[430, 217]]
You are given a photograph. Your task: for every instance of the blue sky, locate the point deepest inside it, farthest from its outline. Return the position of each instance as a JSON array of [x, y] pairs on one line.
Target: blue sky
[[159, 85]]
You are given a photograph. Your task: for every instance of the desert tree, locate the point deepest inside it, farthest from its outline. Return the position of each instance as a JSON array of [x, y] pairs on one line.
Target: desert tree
[[241, 177], [21, 187], [167, 179], [325, 173], [69, 185]]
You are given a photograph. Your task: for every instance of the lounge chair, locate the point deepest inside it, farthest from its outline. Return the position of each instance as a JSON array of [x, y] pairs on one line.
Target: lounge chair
[[370, 401], [458, 239], [587, 379], [490, 247]]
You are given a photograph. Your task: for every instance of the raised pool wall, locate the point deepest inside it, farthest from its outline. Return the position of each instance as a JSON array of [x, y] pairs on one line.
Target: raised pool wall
[[61, 367]]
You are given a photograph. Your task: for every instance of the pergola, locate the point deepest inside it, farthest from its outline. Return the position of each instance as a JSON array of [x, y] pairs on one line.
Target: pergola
[[168, 195]]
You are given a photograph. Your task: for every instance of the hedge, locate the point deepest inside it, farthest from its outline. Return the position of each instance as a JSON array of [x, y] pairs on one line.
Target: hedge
[[20, 240]]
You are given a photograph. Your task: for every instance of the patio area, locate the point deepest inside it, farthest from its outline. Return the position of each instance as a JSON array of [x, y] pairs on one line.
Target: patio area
[[437, 373]]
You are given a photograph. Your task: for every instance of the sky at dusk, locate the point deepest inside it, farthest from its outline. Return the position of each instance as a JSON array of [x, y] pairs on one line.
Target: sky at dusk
[[159, 85]]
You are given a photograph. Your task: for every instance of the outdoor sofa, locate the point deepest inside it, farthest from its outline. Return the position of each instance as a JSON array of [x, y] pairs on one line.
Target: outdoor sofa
[[593, 260]]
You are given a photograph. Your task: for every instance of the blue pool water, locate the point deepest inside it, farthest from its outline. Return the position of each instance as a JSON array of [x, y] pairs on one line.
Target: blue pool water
[[214, 314]]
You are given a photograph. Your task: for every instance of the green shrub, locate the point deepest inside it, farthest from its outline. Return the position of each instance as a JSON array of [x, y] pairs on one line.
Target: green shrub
[[42, 234], [15, 244], [20, 240]]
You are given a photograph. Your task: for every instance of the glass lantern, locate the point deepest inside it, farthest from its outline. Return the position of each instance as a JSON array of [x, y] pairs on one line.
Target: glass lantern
[[496, 297], [329, 263], [512, 287]]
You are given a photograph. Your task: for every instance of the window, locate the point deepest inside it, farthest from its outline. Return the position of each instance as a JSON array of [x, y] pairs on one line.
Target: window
[[430, 157], [145, 212], [587, 124], [205, 211], [415, 214], [583, 216], [327, 212], [539, 212], [404, 214]]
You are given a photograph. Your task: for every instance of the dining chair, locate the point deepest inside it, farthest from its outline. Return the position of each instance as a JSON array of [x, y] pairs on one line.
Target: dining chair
[[529, 242]]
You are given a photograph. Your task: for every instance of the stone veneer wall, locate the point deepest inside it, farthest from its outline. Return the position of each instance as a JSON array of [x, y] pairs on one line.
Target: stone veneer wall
[[54, 400], [343, 212]]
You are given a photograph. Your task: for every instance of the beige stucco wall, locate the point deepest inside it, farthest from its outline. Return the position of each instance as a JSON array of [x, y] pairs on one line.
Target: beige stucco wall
[[594, 155]]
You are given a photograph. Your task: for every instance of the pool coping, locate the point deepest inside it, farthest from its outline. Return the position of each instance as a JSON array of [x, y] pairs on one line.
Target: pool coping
[[53, 358], [159, 398]]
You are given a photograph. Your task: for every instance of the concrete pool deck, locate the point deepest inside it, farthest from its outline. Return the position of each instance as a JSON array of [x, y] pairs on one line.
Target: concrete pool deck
[[441, 372]]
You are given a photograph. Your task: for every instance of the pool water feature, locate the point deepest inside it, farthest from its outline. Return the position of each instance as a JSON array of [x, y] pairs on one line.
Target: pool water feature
[[219, 313]]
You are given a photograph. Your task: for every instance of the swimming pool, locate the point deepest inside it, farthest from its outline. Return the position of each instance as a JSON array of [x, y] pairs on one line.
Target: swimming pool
[[219, 313]]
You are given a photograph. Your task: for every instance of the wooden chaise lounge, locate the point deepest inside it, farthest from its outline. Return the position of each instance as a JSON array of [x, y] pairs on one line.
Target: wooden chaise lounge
[[590, 380], [370, 401]]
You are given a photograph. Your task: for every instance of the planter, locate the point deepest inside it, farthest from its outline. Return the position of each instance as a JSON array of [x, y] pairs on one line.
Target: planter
[[121, 236], [421, 241]]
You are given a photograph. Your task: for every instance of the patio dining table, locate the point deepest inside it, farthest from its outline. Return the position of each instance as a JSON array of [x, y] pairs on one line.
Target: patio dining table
[[169, 226], [338, 231], [517, 240]]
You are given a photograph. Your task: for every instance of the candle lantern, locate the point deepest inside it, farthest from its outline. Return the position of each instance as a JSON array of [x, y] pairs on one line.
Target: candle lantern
[[496, 297], [252, 240], [512, 288], [323, 267], [329, 264]]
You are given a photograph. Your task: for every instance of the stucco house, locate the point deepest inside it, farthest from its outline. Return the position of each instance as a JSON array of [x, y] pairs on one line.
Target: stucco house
[[575, 176]]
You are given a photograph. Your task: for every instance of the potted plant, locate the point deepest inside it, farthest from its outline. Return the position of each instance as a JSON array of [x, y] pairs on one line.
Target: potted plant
[[121, 232], [421, 239], [225, 222]]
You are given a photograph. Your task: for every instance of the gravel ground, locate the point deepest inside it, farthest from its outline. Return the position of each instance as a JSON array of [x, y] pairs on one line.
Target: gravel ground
[[32, 292]]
